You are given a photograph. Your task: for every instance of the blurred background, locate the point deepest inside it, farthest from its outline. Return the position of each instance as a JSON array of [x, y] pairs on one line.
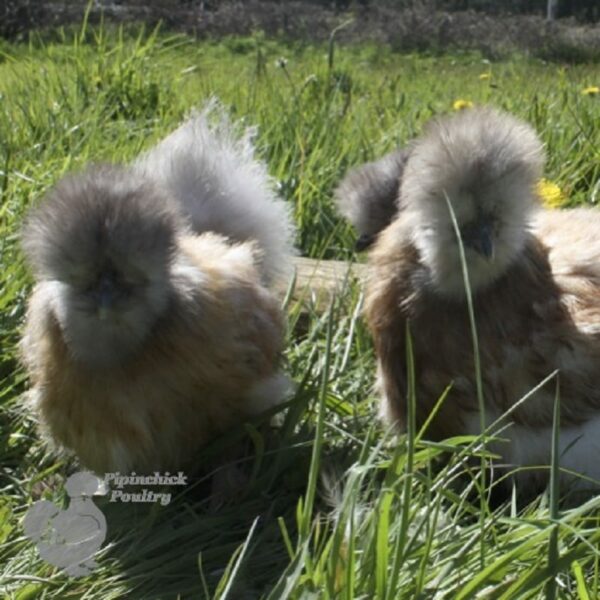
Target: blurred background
[[552, 29]]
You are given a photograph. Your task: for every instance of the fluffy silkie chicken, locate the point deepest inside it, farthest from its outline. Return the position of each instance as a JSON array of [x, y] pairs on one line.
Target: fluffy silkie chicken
[[535, 280], [152, 325]]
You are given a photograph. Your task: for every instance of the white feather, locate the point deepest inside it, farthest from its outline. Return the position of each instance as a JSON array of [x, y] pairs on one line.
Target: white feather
[[522, 446]]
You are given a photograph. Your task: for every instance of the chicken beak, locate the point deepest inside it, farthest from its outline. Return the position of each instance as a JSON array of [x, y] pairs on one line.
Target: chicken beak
[[364, 241], [484, 244], [480, 240], [105, 297]]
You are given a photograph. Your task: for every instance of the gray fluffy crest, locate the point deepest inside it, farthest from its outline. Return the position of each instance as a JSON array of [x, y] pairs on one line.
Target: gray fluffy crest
[[486, 164], [213, 175], [473, 147], [106, 210]]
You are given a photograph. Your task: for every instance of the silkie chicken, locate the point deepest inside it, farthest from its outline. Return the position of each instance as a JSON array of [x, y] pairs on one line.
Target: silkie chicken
[[534, 276], [152, 326]]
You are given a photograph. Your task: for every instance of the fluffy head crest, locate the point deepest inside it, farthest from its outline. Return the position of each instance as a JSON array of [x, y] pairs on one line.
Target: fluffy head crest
[[486, 163], [104, 213], [102, 244]]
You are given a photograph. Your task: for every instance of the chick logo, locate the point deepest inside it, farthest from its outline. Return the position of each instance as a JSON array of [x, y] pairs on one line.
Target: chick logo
[[69, 539]]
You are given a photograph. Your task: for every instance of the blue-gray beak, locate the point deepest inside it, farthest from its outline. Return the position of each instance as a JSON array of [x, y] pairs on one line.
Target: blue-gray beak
[[478, 237], [105, 295]]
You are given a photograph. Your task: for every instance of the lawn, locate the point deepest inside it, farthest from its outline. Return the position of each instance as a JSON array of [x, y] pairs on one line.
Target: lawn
[[334, 506]]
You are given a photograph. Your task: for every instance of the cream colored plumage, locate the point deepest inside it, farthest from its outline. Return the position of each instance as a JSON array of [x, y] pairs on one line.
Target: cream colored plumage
[[535, 278], [149, 331]]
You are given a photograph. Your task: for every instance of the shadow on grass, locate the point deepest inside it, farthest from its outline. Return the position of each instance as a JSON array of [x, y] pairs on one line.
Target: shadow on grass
[[187, 547]]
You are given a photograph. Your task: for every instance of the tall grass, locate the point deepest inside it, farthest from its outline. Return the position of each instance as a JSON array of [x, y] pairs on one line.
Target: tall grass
[[335, 506]]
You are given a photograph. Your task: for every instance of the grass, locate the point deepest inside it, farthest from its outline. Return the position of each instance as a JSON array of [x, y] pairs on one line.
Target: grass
[[335, 506]]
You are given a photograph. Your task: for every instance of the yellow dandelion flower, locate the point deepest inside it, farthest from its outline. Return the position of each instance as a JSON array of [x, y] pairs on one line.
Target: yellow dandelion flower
[[485, 76], [592, 90], [462, 104], [551, 195]]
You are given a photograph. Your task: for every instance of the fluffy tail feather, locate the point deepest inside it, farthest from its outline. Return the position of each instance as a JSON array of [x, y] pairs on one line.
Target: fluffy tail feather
[[219, 184], [368, 196]]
